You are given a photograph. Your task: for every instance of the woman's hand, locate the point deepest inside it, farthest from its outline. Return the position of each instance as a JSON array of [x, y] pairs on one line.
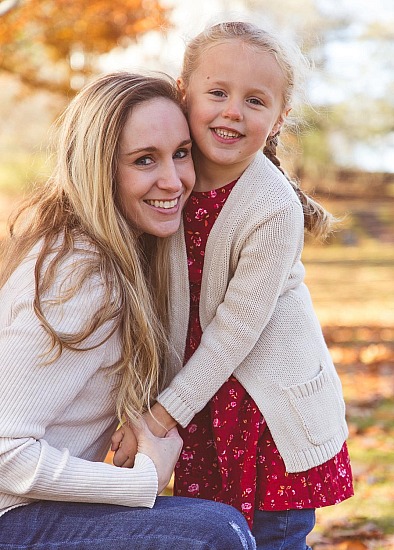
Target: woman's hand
[[163, 451]]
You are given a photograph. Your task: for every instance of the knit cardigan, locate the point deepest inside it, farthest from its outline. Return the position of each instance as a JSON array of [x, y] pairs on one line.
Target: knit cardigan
[[56, 419], [258, 322]]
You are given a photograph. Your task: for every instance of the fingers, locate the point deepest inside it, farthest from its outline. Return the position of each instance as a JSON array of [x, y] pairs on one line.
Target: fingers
[[116, 439], [128, 463], [126, 447], [123, 459]]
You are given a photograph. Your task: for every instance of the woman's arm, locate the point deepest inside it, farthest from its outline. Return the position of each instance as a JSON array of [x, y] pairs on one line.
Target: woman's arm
[[50, 414]]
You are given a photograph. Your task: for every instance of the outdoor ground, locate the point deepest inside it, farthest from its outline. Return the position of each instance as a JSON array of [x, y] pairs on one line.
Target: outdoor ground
[[351, 282]]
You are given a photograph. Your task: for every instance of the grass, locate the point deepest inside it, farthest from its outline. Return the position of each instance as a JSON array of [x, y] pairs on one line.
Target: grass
[[352, 285], [352, 289], [371, 450]]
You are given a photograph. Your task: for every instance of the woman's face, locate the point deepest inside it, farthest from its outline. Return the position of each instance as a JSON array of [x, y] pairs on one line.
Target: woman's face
[[155, 172]]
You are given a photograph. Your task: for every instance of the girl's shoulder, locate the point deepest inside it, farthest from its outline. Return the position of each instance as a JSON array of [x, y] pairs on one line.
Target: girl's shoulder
[[266, 181], [262, 191]]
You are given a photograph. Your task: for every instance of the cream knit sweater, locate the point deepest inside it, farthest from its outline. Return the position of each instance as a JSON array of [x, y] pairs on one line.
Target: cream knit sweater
[[258, 322], [56, 420]]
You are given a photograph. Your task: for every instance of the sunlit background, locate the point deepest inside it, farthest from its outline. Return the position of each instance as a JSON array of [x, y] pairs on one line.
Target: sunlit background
[[343, 152], [350, 41]]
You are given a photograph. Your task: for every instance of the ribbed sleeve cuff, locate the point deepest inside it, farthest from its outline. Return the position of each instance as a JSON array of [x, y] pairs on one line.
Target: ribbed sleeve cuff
[[92, 482], [177, 408], [147, 486]]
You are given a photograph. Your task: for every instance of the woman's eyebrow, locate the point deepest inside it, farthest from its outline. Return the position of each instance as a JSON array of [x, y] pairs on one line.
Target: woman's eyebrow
[[152, 149]]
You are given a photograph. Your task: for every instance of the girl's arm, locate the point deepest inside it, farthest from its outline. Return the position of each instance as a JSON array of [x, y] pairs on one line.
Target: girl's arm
[[268, 255]]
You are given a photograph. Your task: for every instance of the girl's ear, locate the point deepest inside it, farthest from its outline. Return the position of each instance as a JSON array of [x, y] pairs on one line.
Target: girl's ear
[[279, 123]]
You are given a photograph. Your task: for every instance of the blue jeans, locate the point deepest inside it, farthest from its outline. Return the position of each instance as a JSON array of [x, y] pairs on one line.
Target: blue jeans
[[174, 523], [285, 530]]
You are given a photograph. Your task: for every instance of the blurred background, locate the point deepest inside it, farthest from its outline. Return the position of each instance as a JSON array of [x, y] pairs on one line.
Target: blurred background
[[343, 152]]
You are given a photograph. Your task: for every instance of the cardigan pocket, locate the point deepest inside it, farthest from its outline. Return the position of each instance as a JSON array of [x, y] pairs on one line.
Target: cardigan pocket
[[319, 406]]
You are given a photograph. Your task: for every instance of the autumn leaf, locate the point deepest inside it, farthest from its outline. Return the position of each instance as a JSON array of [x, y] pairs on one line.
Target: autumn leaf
[[39, 37]]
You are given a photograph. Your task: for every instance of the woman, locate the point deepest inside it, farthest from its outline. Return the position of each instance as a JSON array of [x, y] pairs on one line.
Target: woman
[[82, 332]]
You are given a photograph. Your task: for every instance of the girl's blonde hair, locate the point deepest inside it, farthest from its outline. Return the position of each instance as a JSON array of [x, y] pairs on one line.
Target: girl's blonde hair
[[290, 59], [79, 201]]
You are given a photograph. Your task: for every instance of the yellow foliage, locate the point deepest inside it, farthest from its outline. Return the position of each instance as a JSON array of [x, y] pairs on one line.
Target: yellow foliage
[[42, 31]]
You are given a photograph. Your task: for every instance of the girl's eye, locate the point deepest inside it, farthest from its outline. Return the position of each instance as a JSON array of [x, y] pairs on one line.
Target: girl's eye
[[181, 153], [217, 93], [255, 101], [143, 161]]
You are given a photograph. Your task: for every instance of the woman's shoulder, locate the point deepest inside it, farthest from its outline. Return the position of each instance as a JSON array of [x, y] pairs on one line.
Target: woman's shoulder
[[56, 268], [79, 246], [69, 285]]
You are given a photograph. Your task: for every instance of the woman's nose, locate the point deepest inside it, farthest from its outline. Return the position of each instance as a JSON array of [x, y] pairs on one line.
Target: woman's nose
[[169, 178]]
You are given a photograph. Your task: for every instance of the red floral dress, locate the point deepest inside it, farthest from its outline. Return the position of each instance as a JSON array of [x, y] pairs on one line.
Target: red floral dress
[[228, 453]]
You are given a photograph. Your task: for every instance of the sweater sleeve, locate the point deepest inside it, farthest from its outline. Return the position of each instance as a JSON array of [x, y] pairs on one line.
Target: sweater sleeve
[[37, 398], [33, 469], [266, 260]]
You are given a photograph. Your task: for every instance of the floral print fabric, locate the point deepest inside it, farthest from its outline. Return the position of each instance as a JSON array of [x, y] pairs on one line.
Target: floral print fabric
[[228, 453]]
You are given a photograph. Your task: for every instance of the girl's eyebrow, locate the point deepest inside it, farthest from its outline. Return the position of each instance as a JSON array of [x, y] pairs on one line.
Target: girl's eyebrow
[[152, 149], [261, 91]]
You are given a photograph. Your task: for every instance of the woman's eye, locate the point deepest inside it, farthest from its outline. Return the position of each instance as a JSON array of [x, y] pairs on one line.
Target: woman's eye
[[181, 153], [143, 161], [255, 101]]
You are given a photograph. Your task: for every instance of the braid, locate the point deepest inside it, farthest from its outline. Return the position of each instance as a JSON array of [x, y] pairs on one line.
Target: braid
[[317, 220], [270, 151]]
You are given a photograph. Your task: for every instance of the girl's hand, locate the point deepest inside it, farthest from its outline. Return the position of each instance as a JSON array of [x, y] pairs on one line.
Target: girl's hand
[[159, 420], [124, 443], [163, 451]]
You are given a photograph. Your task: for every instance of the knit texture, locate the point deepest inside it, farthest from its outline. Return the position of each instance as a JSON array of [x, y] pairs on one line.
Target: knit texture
[[258, 322], [56, 420]]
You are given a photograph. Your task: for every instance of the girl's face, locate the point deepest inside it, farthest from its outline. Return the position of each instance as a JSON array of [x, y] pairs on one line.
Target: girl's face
[[234, 101], [155, 172]]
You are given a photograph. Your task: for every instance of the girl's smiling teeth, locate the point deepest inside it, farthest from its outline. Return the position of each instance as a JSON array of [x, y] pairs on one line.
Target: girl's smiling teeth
[[226, 134], [162, 204]]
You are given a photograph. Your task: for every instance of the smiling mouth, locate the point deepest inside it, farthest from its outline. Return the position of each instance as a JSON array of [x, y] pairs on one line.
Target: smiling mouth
[[163, 204], [226, 134]]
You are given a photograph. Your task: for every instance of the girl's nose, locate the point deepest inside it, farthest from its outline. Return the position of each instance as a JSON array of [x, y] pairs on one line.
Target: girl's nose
[[233, 111]]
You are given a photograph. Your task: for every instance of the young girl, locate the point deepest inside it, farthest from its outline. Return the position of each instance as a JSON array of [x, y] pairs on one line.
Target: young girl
[[258, 396]]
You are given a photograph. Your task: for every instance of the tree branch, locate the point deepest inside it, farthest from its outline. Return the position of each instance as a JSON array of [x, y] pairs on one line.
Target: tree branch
[[8, 5]]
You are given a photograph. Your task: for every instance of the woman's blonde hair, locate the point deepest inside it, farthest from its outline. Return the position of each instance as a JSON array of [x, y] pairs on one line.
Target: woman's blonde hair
[[79, 201], [293, 64]]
